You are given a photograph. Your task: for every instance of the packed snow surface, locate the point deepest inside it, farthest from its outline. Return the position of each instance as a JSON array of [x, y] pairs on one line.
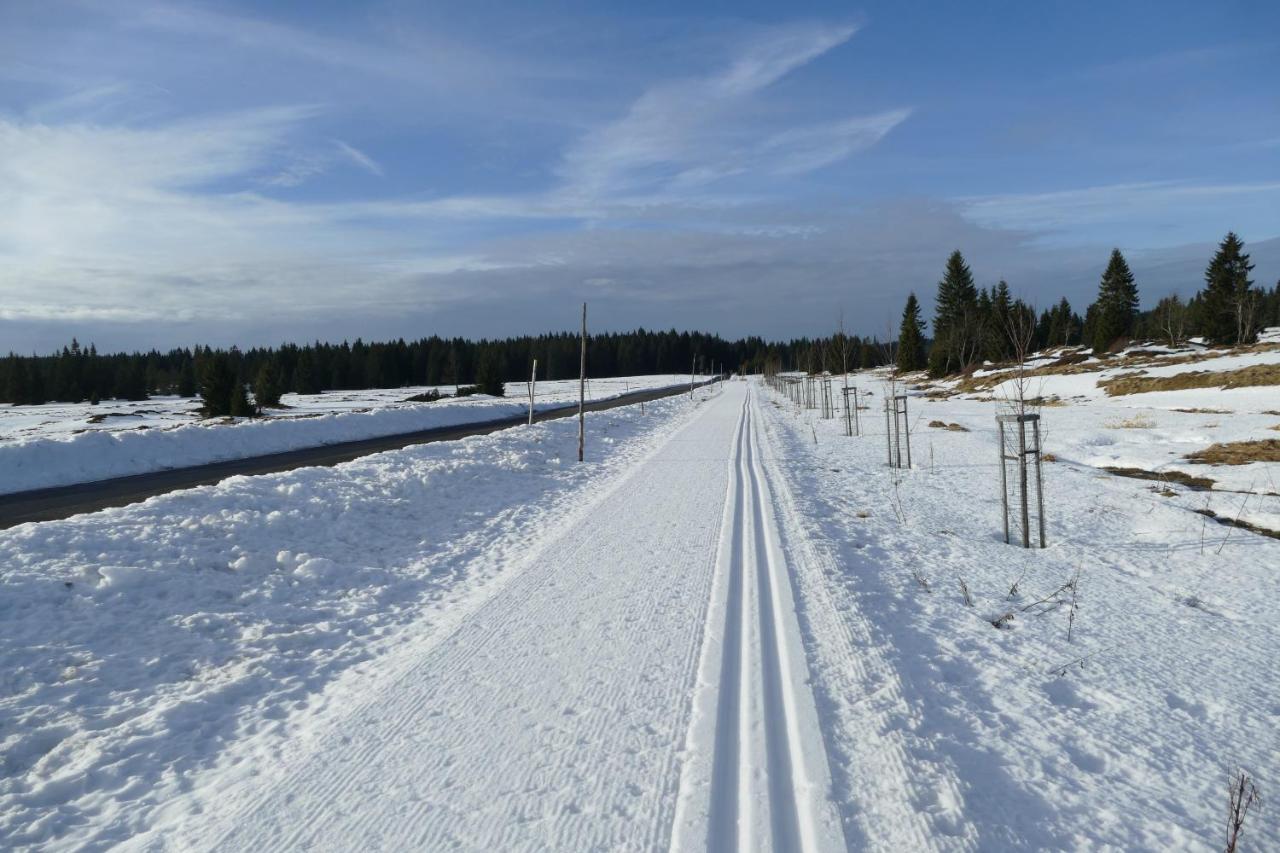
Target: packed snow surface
[[733, 626], [60, 444]]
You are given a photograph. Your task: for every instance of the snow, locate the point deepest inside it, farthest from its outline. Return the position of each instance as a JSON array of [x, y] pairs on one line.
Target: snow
[[1012, 739], [1153, 431], [732, 623], [159, 657], [61, 444]]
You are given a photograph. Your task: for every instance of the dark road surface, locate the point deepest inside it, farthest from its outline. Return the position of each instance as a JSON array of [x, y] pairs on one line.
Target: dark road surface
[[66, 501]]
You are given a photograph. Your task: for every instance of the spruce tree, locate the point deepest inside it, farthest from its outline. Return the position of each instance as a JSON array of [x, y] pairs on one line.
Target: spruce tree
[[955, 318], [489, 374], [187, 379], [306, 377], [911, 337], [1117, 304], [238, 404], [267, 388], [217, 382], [1227, 294], [998, 323]]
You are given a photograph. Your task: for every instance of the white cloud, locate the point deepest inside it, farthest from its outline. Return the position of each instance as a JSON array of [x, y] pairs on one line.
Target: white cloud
[[1169, 211], [194, 219], [690, 133], [361, 159]]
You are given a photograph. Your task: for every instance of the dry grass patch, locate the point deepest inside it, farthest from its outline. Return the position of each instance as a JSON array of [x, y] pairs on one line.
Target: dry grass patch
[[1244, 377], [947, 426], [1205, 411], [1179, 477], [1135, 422], [1238, 452]]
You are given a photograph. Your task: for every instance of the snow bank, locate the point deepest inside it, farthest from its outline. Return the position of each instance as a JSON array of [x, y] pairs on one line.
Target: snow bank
[[65, 459], [137, 645]]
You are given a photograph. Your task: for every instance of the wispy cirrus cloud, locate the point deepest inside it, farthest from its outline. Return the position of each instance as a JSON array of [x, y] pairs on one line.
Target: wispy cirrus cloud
[[1169, 210], [304, 165], [689, 133]]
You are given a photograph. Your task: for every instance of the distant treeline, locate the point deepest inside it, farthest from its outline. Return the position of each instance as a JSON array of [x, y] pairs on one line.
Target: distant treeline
[[970, 325], [79, 373]]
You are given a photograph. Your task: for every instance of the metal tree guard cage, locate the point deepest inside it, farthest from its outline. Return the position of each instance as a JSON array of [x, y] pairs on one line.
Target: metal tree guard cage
[[851, 426], [1021, 447], [897, 431]]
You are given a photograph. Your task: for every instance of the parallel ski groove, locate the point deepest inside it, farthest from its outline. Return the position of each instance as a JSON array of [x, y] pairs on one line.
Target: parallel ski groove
[[767, 785]]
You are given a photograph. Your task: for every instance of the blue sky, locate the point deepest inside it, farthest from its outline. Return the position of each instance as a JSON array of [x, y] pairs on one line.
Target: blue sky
[[250, 173]]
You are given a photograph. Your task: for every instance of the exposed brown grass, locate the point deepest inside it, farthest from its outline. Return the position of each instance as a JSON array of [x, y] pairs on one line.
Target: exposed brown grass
[[1238, 452], [1205, 411], [1073, 361], [1135, 422], [1179, 477], [1244, 377], [1238, 522], [947, 426]]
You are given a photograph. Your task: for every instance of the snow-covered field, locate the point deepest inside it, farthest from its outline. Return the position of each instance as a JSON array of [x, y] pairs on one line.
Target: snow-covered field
[[61, 444], [733, 625], [1153, 432], [1019, 738]]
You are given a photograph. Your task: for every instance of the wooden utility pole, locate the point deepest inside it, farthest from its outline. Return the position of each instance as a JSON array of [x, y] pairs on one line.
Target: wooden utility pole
[[533, 381], [582, 387]]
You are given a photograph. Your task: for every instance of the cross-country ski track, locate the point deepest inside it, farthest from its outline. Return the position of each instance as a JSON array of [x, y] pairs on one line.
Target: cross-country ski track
[[732, 628], [640, 684]]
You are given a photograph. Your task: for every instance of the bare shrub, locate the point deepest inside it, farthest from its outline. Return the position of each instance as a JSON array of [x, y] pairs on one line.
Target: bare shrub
[[1242, 799]]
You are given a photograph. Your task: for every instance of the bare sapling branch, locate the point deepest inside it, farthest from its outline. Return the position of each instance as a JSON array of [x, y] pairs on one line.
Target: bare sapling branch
[[1242, 798]]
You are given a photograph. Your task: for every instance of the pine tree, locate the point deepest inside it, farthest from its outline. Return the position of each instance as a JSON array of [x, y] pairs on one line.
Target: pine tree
[[306, 377], [998, 322], [267, 388], [489, 374], [187, 379], [217, 382], [131, 380], [955, 321], [239, 405], [1229, 301], [911, 337], [1117, 304]]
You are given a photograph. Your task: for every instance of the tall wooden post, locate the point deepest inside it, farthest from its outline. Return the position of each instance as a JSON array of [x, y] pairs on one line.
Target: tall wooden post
[[693, 368], [582, 387], [533, 381]]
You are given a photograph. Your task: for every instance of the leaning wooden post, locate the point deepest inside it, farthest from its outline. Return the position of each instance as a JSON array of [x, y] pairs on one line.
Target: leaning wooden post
[[582, 387], [533, 381]]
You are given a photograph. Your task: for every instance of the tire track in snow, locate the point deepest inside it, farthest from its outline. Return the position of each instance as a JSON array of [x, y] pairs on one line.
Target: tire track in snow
[[757, 775]]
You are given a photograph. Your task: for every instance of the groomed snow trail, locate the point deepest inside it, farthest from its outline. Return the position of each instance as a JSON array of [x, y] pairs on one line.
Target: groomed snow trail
[[641, 685], [558, 716], [757, 775]]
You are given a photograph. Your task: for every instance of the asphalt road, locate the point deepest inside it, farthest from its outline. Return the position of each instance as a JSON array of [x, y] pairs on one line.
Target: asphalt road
[[66, 501]]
